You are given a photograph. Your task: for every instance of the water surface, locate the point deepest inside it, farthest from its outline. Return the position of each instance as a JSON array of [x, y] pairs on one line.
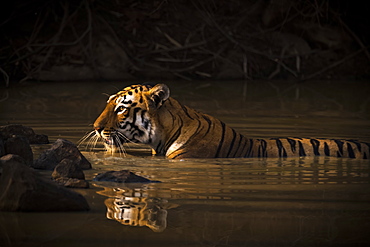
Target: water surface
[[207, 202]]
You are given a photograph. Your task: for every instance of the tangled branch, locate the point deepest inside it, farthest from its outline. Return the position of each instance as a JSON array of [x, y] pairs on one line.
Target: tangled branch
[[203, 39]]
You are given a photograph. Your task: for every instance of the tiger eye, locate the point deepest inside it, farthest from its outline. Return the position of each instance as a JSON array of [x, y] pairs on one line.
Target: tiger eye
[[121, 108]]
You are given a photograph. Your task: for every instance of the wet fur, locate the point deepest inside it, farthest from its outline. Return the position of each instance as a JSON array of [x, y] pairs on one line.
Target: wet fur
[[147, 114]]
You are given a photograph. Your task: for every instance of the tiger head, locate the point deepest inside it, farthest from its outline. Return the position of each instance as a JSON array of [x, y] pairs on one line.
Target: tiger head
[[127, 116]]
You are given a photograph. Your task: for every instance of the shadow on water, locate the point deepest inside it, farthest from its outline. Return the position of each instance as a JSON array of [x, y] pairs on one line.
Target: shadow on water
[[208, 202]]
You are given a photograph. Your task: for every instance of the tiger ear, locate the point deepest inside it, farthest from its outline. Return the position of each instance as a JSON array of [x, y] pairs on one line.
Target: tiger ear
[[158, 94]]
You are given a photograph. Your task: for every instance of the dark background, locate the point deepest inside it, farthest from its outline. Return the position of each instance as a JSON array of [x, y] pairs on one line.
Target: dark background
[[166, 40]]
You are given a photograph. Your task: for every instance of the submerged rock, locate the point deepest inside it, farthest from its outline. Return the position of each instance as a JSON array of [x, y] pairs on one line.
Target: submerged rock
[[22, 189], [8, 131], [19, 145], [123, 176], [60, 150], [72, 182]]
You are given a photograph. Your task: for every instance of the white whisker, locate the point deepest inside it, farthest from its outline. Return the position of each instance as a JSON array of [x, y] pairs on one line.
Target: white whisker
[[119, 145], [85, 137], [91, 139]]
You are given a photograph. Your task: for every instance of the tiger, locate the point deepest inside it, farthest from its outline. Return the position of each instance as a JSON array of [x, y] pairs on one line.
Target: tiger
[[147, 114]]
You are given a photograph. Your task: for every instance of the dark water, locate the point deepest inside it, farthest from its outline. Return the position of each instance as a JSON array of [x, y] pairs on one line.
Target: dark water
[[207, 202]]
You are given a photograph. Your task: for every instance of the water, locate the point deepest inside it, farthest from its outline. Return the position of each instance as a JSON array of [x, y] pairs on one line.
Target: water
[[207, 202]]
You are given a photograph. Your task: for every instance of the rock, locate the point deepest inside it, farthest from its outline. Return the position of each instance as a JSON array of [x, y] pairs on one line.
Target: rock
[[39, 139], [9, 158], [123, 176], [19, 145], [68, 169], [72, 182], [16, 129], [8, 131], [22, 189], [69, 174], [47, 160], [61, 149]]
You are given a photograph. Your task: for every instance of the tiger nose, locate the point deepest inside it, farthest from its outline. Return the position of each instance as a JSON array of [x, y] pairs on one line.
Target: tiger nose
[[99, 129]]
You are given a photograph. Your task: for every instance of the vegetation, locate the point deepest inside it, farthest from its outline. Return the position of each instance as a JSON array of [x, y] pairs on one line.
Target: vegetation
[[163, 39]]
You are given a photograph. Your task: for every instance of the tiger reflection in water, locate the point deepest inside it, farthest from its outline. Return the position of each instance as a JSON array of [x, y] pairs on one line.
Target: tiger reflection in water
[[133, 208]]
